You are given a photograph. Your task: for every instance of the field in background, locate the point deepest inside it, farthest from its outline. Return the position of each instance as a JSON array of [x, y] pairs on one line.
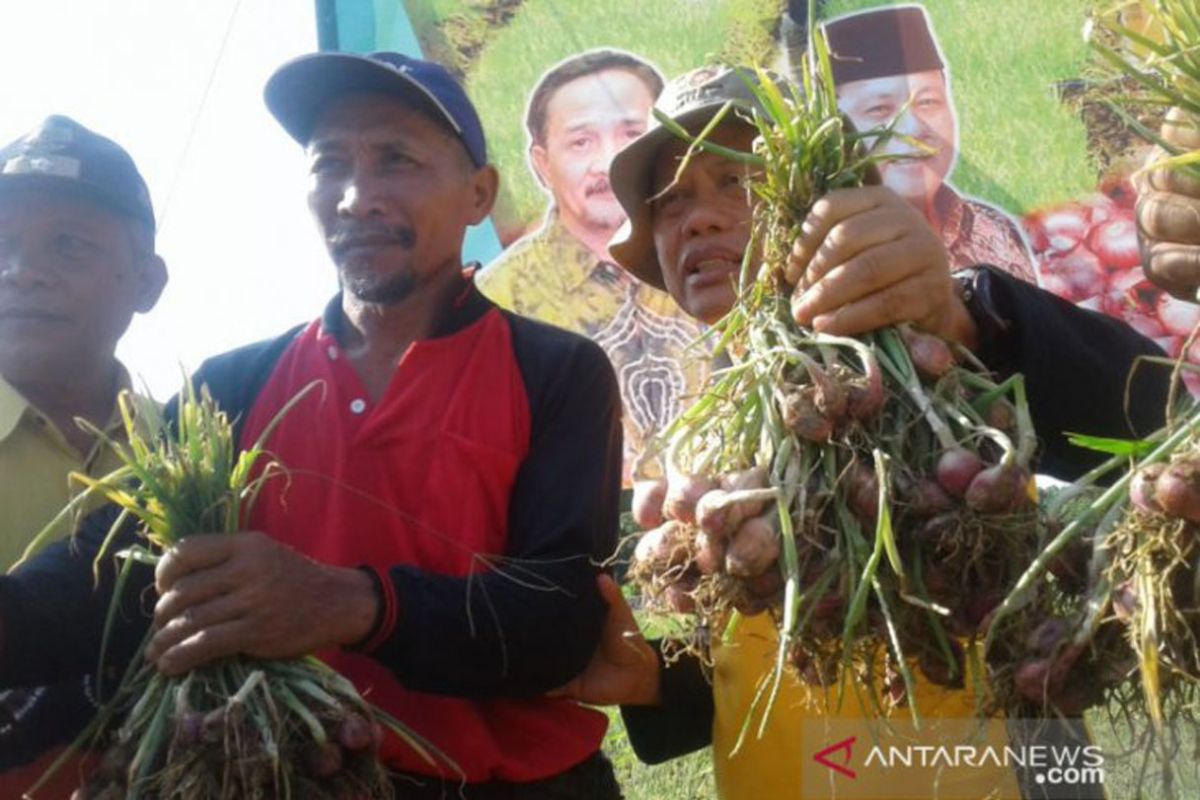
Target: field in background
[[689, 777]]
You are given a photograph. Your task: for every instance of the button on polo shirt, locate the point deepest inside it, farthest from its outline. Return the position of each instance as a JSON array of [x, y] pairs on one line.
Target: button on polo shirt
[[35, 459]]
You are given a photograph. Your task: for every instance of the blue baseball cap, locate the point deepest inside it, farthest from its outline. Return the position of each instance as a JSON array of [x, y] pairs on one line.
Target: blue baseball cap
[[65, 156], [299, 89]]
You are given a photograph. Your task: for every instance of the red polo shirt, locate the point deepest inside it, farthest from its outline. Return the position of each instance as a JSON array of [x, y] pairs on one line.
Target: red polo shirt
[[418, 486]]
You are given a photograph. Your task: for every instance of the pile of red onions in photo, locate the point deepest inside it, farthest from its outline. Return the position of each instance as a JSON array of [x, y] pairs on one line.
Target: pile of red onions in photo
[[1087, 252]]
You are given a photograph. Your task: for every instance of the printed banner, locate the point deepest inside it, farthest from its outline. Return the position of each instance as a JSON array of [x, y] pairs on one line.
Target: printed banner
[[1029, 168]]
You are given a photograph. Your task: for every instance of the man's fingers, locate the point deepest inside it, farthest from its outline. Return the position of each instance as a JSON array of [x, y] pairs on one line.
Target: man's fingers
[[848, 239], [193, 553], [866, 273], [199, 609], [610, 592], [824, 215], [620, 626], [900, 302], [619, 612], [1175, 267], [193, 619], [1168, 213], [188, 592], [570, 689], [1169, 217], [1181, 129], [1176, 181], [201, 647]]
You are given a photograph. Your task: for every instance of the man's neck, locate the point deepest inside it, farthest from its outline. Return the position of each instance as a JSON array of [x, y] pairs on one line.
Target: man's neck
[[594, 239], [376, 335], [87, 391]]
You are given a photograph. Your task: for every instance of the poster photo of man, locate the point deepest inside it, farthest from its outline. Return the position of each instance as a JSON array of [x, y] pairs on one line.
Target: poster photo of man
[[887, 62], [582, 111]]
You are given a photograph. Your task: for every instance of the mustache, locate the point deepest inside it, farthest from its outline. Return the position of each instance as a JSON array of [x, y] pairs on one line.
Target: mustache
[[372, 233], [601, 186]]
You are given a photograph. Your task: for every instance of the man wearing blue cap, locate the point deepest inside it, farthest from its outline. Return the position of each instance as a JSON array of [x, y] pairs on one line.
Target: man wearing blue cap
[[77, 262], [447, 492]]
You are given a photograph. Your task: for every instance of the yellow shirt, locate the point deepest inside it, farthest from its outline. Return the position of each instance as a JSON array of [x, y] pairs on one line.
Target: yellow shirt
[[774, 765], [550, 276], [35, 460]]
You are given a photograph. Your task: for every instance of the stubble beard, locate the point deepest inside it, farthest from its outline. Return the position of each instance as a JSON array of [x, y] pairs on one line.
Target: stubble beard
[[380, 291]]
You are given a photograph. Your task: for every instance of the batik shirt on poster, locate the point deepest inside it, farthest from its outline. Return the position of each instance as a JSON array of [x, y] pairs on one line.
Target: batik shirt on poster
[[654, 347], [977, 233]]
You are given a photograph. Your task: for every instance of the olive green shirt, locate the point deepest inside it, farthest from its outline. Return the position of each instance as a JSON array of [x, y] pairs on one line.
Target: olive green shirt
[[35, 460], [653, 345]]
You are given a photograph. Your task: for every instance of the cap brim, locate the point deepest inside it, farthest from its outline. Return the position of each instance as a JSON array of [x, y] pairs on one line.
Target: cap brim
[[299, 89], [85, 190], [631, 176]]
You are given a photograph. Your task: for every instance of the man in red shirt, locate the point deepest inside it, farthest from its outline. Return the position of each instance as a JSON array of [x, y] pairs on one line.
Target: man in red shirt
[[449, 490]]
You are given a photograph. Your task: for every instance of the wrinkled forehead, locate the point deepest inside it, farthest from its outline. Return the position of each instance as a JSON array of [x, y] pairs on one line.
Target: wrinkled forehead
[[600, 95], [733, 134]]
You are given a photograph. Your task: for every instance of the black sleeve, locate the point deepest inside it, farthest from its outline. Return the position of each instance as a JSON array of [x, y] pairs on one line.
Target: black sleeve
[[1076, 365], [532, 623], [54, 611], [682, 723], [235, 378]]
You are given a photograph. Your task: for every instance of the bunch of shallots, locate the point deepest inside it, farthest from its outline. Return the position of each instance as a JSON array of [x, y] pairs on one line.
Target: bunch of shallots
[[872, 494]]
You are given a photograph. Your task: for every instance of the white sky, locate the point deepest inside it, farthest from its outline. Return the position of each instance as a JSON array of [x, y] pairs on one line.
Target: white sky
[[244, 258]]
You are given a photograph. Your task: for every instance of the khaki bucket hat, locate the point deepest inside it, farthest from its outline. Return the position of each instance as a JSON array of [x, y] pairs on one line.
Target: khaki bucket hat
[[690, 100]]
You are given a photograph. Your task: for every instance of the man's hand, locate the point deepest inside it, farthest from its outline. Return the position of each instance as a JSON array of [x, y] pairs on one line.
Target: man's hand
[[1168, 214], [624, 669], [865, 259], [221, 595]]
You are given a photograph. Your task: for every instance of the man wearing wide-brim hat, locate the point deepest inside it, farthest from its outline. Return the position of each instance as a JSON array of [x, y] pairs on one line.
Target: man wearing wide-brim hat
[[869, 259]]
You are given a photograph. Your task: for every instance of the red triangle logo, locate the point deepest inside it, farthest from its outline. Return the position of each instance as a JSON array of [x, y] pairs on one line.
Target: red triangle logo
[[822, 757]]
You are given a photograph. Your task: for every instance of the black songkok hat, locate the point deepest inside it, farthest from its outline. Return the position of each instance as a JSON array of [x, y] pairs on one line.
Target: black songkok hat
[[883, 42]]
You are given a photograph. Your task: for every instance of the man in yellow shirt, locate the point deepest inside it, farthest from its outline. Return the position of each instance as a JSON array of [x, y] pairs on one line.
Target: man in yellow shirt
[[582, 111], [77, 261], [871, 261]]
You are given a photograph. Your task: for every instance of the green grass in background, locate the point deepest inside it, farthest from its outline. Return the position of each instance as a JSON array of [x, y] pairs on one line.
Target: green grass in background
[[1123, 753], [424, 14], [687, 778], [1019, 146], [675, 36]]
